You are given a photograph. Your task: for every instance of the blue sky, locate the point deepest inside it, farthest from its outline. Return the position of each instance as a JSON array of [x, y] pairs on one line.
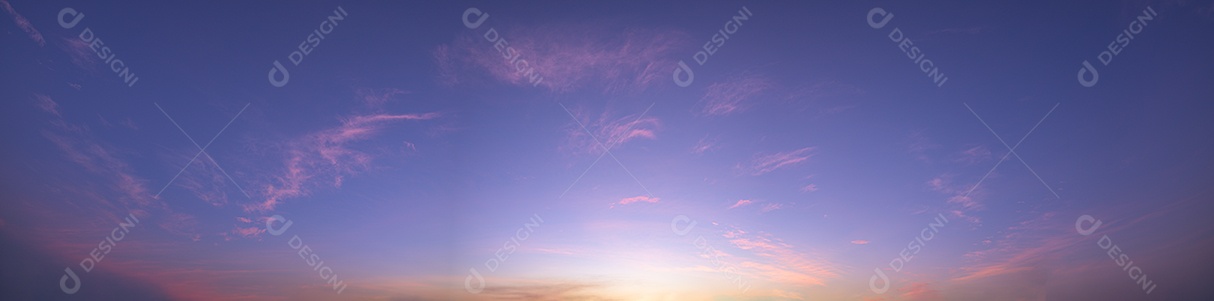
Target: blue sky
[[556, 151]]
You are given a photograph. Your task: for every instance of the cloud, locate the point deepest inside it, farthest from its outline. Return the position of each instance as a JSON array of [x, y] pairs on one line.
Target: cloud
[[601, 56], [740, 203], [771, 206], [919, 291], [78, 144], [973, 155], [919, 145], [774, 260], [959, 195], [378, 97], [733, 95], [46, 104], [325, 157], [705, 144], [859, 242], [767, 163], [611, 132], [809, 188], [23, 23], [636, 199]]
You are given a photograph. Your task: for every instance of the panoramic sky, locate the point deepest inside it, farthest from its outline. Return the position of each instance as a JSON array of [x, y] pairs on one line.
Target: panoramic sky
[[609, 150]]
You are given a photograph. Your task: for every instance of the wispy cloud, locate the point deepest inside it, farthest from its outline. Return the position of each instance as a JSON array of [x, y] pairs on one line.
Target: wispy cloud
[[733, 95], [771, 207], [859, 242], [23, 23], [778, 262], [973, 155], [610, 131], [324, 158], [600, 56], [740, 203], [809, 188], [636, 199], [767, 163], [705, 144]]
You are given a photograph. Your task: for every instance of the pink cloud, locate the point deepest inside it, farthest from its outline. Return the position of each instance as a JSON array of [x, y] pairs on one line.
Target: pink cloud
[[958, 195], [705, 145], [919, 291], [776, 261], [771, 206], [637, 199], [859, 242], [974, 154], [740, 203], [23, 23], [733, 95], [565, 57], [767, 163], [611, 132], [324, 158], [809, 188], [378, 97], [46, 104]]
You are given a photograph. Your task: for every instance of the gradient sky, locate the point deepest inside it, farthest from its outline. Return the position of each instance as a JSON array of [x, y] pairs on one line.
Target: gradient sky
[[407, 151]]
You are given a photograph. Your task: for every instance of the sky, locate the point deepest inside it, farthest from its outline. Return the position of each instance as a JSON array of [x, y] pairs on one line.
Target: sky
[[614, 150]]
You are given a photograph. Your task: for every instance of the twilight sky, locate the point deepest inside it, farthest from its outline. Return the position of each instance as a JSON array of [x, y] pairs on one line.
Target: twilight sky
[[636, 150]]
